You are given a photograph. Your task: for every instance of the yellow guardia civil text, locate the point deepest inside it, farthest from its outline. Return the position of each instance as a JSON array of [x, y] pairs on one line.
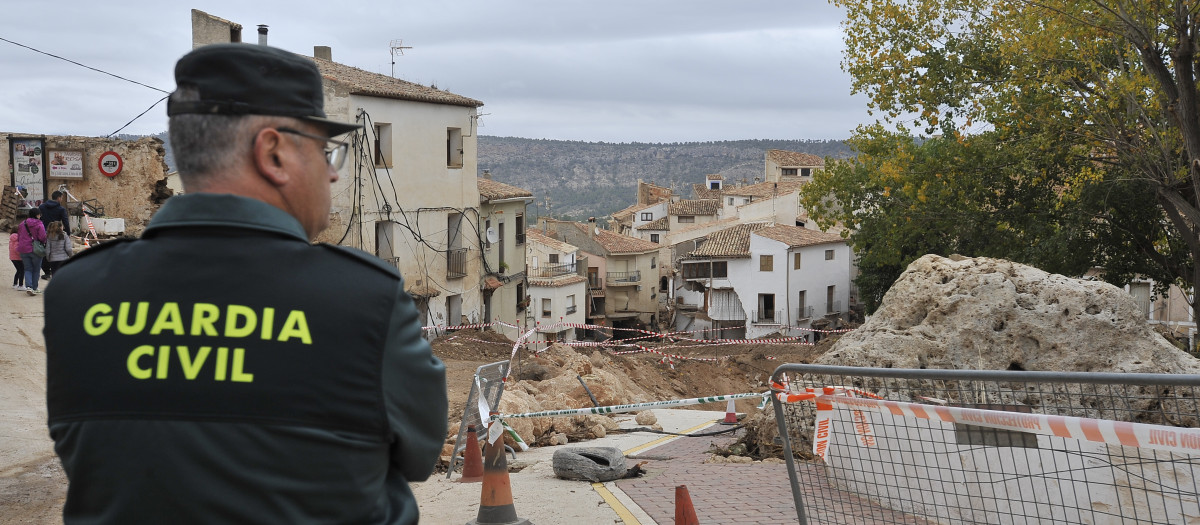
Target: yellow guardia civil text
[[146, 361]]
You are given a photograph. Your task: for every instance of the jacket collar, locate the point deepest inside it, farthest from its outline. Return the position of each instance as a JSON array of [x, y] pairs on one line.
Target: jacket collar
[[226, 211]]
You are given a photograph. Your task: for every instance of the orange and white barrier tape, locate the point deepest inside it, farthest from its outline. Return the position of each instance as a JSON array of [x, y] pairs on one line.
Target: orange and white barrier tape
[[1124, 433], [1109, 432], [822, 426]]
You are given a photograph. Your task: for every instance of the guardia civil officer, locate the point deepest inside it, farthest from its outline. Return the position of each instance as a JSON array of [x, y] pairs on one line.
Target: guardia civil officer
[[222, 369]]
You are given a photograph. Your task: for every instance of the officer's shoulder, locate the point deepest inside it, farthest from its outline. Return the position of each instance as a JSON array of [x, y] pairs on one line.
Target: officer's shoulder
[[362, 258]]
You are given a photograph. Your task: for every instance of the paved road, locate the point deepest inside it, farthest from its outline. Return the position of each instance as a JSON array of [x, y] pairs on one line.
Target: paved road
[[721, 492]]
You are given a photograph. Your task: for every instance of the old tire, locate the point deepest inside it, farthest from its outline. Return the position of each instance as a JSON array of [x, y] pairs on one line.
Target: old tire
[[589, 463]]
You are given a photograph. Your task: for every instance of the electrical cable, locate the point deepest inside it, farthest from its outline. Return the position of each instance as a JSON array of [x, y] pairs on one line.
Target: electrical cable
[[85, 66], [110, 135]]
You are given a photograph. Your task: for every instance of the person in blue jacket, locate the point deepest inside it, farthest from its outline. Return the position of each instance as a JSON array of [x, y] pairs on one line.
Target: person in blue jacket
[[54, 210], [212, 371]]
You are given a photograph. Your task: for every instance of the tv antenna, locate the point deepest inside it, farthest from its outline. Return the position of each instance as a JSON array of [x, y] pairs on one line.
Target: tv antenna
[[397, 48]]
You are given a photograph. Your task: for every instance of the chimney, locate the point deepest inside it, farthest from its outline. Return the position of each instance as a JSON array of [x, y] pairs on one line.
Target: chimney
[[262, 34], [487, 174], [591, 227], [323, 53]]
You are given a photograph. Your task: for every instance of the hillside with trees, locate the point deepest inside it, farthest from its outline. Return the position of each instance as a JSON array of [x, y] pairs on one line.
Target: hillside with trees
[[583, 179]]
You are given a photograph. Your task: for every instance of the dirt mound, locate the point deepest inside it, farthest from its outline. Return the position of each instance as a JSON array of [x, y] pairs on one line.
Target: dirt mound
[[472, 345], [551, 380]]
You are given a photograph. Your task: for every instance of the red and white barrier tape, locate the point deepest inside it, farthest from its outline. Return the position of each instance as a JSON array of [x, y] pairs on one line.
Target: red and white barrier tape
[[468, 326]]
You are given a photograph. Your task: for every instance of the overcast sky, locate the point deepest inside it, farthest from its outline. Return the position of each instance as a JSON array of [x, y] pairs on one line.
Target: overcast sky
[[612, 70]]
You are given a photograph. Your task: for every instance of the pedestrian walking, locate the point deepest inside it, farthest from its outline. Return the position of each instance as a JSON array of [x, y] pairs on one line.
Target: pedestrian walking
[[58, 246], [15, 257], [31, 239]]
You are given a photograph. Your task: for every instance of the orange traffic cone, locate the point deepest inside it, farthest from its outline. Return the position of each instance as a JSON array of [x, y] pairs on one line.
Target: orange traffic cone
[[495, 501], [684, 513], [472, 459], [730, 414]]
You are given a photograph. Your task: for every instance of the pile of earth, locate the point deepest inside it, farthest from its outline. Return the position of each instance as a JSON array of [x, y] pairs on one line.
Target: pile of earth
[[963, 313], [550, 380]]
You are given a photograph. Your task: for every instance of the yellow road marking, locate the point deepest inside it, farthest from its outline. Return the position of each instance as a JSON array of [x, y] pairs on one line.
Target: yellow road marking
[[664, 439], [612, 501]]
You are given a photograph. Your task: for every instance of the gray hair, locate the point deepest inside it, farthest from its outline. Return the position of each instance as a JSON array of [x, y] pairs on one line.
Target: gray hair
[[207, 146]]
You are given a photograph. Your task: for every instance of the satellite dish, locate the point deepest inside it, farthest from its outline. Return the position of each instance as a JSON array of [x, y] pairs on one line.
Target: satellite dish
[[597, 231], [491, 235]]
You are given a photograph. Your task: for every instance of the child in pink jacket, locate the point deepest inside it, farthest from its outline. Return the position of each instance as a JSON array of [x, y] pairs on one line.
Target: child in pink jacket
[[19, 278]]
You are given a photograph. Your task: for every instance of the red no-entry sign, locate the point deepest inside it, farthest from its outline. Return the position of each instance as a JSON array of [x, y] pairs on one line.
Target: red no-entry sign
[[110, 163]]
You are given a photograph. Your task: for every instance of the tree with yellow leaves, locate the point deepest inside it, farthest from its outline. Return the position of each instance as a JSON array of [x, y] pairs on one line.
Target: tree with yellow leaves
[[1064, 134]]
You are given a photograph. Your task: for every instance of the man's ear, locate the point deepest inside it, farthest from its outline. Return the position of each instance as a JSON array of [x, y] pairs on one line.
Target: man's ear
[[270, 150]]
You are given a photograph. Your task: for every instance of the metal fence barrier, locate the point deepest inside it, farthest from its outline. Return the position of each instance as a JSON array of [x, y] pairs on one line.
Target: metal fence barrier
[[490, 379], [896, 449]]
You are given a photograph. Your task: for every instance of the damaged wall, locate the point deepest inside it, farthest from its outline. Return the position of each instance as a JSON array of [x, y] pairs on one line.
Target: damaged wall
[[133, 195]]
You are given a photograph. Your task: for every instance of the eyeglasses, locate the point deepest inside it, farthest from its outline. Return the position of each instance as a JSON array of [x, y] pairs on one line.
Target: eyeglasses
[[335, 154]]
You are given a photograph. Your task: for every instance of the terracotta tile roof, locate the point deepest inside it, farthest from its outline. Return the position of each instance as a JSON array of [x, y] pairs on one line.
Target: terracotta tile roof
[[421, 291], [491, 283], [714, 176], [536, 235], [491, 190], [707, 226], [730, 242], [796, 237], [766, 189], [662, 223], [626, 214], [694, 207], [702, 192], [792, 159], [617, 243], [557, 282], [362, 82]]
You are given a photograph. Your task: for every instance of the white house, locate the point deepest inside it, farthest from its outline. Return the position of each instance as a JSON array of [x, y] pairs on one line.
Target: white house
[[754, 279], [557, 287], [777, 202], [781, 165], [802, 276], [688, 213], [502, 210]]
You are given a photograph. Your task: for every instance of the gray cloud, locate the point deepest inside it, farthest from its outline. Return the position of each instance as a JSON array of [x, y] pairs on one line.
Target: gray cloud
[[620, 70]]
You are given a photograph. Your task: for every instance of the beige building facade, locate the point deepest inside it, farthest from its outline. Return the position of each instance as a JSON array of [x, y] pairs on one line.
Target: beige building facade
[[409, 192]]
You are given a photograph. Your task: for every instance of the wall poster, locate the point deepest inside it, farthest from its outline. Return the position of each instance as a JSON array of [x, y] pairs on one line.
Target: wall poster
[[28, 169], [65, 164]]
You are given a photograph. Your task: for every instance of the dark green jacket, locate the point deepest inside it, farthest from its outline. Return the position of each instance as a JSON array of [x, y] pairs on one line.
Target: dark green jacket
[[222, 369]]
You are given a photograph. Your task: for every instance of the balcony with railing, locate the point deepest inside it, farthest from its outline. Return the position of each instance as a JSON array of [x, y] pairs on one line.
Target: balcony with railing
[[554, 270], [456, 263], [623, 278], [766, 316], [571, 309]]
